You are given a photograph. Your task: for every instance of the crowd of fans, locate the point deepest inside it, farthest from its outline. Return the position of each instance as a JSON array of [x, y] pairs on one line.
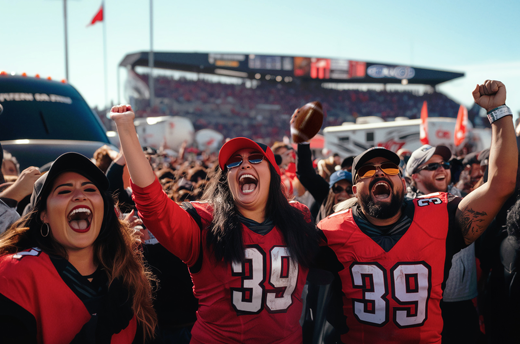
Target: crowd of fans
[[234, 110], [237, 110]]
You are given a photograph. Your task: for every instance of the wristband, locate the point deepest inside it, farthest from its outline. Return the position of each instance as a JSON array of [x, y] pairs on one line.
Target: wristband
[[499, 112]]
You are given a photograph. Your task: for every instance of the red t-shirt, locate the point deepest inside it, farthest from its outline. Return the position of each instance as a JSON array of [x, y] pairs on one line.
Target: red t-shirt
[[394, 296], [257, 301]]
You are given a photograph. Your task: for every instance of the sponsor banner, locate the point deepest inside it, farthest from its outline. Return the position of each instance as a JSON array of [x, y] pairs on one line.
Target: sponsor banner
[[378, 71], [30, 97]]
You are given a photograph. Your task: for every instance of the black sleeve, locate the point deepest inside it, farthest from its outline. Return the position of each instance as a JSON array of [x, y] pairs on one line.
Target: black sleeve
[[313, 182], [117, 187], [17, 325]]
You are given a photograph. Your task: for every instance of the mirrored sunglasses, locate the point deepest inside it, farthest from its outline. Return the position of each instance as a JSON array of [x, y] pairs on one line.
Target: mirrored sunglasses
[[235, 161], [434, 166], [368, 171]]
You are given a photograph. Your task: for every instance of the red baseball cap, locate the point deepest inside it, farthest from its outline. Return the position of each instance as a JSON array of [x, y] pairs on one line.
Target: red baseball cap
[[238, 143]]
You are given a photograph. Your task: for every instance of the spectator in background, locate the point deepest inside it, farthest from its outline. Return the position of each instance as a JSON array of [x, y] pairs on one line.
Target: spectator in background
[[15, 193], [346, 164], [287, 169], [471, 173], [10, 166], [103, 157], [429, 173], [328, 165]]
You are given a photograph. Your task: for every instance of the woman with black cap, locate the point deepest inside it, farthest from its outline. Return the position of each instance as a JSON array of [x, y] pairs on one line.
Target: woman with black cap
[[247, 247], [70, 270]]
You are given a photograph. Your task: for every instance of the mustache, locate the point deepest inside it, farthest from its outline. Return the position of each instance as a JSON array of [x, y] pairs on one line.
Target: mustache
[[377, 180]]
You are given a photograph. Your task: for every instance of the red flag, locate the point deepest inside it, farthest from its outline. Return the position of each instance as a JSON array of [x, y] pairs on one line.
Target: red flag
[[98, 17], [461, 125], [423, 128]]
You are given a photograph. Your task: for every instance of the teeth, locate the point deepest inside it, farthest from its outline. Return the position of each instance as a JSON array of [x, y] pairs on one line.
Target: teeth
[[80, 210], [381, 183], [247, 176]]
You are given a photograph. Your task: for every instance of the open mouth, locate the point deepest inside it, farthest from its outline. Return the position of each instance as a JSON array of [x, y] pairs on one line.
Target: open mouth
[[381, 190], [248, 183], [440, 177], [80, 219]]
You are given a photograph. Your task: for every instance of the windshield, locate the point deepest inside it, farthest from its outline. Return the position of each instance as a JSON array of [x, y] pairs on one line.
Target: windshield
[[38, 109]]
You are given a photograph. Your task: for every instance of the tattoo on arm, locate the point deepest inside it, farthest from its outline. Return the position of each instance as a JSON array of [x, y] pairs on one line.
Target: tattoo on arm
[[470, 219]]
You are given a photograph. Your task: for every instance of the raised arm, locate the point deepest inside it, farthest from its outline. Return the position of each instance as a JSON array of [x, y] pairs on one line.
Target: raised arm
[[476, 211], [140, 170]]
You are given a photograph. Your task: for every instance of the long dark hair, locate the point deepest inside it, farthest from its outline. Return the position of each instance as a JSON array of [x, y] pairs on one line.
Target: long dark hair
[[115, 250], [224, 237]]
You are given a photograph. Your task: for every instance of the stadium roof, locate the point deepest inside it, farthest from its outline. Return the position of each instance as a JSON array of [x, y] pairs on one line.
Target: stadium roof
[[289, 68]]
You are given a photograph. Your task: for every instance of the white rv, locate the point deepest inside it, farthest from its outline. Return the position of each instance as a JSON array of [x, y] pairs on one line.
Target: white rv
[[170, 131], [354, 138]]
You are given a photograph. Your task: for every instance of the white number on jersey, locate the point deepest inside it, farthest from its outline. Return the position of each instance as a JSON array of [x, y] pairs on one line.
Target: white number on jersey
[[410, 286], [251, 296]]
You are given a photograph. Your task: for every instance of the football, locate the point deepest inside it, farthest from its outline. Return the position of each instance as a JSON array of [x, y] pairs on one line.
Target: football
[[306, 122]]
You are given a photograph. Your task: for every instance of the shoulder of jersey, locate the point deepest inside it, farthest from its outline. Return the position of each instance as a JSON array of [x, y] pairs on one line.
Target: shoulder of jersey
[[433, 194], [338, 213], [205, 209], [27, 259]]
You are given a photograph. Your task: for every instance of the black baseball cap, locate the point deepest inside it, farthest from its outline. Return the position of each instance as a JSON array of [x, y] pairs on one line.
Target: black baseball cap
[[372, 153], [67, 162]]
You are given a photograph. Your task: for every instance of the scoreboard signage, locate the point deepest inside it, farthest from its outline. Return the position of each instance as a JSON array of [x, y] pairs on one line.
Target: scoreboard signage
[[279, 67], [378, 71], [321, 68], [270, 62]]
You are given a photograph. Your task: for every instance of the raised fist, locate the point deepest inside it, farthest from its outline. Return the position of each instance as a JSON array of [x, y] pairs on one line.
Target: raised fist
[[490, 95], [122, 114]]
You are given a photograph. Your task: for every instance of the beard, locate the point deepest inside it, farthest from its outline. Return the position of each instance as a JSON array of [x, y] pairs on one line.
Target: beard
[[431, 186], [382, 210]]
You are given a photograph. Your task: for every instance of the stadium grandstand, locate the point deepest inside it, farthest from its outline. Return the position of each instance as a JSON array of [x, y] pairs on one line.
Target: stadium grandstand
[[255, 95]]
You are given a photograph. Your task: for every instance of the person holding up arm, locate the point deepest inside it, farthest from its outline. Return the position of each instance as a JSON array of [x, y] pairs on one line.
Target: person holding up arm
[[247, 247], [395, 254]]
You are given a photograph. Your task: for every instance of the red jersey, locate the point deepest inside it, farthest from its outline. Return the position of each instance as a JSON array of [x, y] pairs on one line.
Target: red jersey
[[257, 301], [29, 282], [394, 296]]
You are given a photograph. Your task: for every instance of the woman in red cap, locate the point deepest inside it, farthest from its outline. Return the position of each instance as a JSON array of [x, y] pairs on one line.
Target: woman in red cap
[[247, 247]]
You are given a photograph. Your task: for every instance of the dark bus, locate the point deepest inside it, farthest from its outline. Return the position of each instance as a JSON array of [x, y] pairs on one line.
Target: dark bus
[[43, 119]]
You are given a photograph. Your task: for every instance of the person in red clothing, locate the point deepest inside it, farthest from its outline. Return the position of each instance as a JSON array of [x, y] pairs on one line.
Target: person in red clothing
[[247, 247], [395, 254], [70, 270]]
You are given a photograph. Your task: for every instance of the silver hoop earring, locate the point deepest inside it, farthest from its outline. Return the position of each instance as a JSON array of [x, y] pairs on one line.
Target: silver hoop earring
[[48, 230]]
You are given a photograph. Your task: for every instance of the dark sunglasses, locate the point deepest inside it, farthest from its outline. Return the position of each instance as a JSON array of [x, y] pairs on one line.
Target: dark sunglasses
[[339, 189], [434, 166], [368, 171], [235, 161]]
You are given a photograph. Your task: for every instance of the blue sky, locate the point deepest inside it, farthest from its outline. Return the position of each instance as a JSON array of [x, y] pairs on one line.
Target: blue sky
[[479, 38]]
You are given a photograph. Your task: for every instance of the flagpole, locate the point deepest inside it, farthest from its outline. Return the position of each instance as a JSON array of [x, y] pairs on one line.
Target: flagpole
[[150, 57], [66, 41], [105, 53]]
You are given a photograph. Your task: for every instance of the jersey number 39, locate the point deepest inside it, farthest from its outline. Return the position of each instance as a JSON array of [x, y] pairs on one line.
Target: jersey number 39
[[283, 277], [410, 287]]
